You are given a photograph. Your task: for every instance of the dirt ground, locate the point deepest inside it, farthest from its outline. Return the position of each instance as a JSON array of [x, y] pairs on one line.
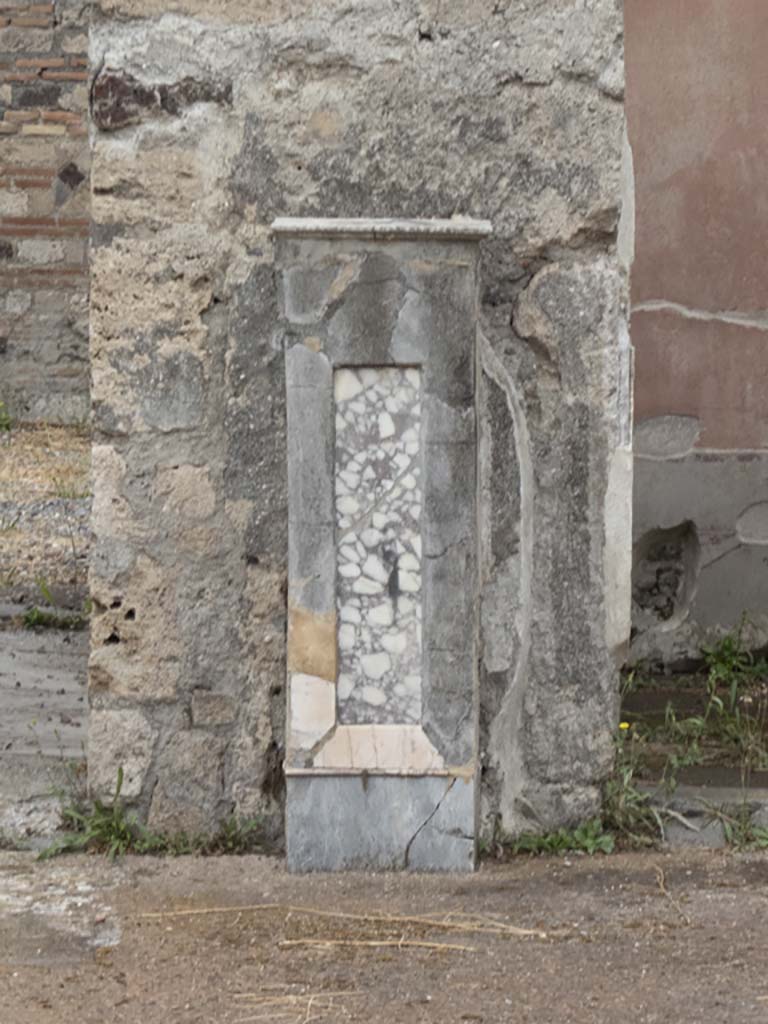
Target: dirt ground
[[663, 938]]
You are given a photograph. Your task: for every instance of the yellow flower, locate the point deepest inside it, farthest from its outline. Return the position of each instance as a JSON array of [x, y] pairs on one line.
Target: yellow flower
[[624, 725]]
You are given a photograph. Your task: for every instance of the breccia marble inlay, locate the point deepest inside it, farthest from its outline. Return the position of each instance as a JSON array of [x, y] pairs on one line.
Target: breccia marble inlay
[[378, 499]]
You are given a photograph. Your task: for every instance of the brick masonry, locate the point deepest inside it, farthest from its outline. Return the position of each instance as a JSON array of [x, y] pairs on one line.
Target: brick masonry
[[44, 210]]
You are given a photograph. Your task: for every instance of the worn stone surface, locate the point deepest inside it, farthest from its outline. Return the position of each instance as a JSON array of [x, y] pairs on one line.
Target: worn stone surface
[[130, 737], [190, 783], [44, 211], [505, 111]]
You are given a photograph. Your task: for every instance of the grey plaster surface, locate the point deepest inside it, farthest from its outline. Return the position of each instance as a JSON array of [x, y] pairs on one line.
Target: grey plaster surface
[[717, 498], [380, 822]]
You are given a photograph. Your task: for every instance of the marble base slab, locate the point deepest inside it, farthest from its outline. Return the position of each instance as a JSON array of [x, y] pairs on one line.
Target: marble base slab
[[375, 822]]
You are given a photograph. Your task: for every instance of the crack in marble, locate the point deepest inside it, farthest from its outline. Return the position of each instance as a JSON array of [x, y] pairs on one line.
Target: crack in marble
[[426, 821]]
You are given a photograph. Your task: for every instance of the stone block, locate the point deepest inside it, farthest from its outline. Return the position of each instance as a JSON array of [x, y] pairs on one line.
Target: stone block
[[119, 739], [212, 709], [188, 796]]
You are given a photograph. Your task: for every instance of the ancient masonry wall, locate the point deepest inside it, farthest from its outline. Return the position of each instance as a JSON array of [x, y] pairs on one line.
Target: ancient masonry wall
[[213, 117], [696, 91], [44, 210]]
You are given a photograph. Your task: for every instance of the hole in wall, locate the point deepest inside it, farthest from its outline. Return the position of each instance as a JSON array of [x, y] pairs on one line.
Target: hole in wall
[[665, 568]]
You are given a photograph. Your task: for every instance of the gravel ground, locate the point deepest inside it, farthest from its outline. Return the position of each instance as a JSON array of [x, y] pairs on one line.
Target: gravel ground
[[645, 938]]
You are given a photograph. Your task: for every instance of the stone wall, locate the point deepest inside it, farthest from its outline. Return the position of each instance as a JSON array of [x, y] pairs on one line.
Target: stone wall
[[210, 119], [696, 91], [44, 210]]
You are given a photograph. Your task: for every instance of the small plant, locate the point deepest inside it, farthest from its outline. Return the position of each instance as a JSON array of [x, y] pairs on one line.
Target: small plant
[[588, 838], [236, 836], [64, 488], [101, 827], [5, 420], [741, 832], [37, 618], [112, 830], [627, 809]]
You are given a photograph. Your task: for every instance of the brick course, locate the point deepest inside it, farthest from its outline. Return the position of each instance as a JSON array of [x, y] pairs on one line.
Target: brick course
[[44, 210]]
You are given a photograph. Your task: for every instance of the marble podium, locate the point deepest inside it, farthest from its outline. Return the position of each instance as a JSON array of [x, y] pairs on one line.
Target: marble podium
[[379, 326]]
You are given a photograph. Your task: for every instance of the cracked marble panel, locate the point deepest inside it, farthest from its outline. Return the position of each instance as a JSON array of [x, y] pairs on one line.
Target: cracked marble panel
[[378, 498]]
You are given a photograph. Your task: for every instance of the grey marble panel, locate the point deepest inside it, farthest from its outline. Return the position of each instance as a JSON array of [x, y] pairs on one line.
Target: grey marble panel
[[448, 706], [449, 598], [312, 567], [380, 823], [449, 496], [310, 455]]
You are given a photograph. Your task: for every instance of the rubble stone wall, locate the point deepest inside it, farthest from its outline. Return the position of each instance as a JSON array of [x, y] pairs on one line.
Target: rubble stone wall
[[44, 210], [210, 119]]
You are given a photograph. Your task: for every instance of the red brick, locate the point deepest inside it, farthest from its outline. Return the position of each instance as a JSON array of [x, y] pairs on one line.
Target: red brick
[[66, 76], [61, 115], [21, 116], [52, 222], [18, 76], [40, 62], [31, 22], [27, 172], [25, 183]]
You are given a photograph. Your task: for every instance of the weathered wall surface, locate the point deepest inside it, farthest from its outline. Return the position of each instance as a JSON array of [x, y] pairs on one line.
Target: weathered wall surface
[[210, 119], [44, 209], [696, 94]]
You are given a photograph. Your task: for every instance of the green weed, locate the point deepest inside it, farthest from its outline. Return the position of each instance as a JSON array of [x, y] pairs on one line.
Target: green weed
[[101, 827], [5, 419], [110, 829], [588, 838], [38, 618], [627, 809], [741, 832]]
